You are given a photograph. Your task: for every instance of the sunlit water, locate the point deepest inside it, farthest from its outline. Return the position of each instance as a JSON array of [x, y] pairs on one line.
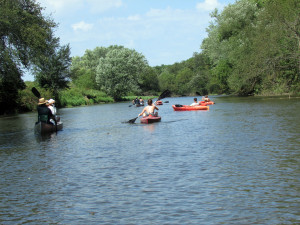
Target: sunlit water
[[238, 163]]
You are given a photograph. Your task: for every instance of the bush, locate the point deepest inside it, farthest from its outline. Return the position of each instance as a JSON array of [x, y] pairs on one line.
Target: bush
[[76, 97]]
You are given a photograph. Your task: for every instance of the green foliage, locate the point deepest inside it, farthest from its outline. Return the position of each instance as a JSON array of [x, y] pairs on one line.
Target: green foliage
[[148, 80], [255, 45], [119, 72], [23, 33], [71, 97], [182, 81], [78, 97], [167, 81], [220, 74], [85, 79], [52, 70]]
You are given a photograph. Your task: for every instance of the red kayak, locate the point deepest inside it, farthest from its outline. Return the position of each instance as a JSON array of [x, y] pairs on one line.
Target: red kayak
[[159, 102], [150, 119], [207, 103], [189, 108]]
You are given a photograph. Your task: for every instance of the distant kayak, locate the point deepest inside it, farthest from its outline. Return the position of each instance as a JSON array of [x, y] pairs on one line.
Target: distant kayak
[[207, 103], [150, 119], [159, 102], [189, 108], [45, 128]]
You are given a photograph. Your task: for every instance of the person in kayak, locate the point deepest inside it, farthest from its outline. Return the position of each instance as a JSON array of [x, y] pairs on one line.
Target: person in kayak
[[141, 101], [52, 107], [195, 102], [44, 113], [206, 99], [149, 109], [136, 101]]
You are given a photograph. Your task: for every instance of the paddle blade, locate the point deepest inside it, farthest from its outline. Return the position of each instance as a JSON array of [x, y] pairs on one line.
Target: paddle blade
[[36, 92], [165, 94], [132, 120]]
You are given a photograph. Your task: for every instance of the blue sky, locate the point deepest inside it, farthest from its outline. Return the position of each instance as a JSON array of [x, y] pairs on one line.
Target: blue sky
[[164, 31]]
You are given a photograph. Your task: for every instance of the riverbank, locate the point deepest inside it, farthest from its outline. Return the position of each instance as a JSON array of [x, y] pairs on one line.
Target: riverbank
[[74, 97]]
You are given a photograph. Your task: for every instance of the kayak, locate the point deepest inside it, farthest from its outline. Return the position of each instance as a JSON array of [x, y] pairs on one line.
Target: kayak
[[159, 103], [44, 128], [189, 108], [150, 119], [207, 103]]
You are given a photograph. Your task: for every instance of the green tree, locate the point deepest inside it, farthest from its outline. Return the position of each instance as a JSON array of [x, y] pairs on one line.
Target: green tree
[[279, 57], [220, 74], [119, 72], [167, 81], [89, 62], [53, 69], [229, 41], [182, 80], [86, 79], [23, 34], [149, 80]]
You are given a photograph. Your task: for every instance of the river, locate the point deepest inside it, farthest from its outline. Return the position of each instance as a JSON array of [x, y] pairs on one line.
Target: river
[[238, 163]]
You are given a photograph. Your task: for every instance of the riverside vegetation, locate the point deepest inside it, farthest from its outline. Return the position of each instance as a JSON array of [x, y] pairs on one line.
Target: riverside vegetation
[[252, 48]]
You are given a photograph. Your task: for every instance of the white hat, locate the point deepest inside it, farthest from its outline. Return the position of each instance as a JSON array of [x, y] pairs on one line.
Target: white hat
[[51, 101]]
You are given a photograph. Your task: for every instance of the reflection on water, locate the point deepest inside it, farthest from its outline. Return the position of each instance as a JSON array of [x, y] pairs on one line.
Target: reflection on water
[[237, 163]]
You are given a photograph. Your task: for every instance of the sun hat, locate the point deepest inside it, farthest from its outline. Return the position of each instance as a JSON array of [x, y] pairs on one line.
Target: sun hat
[[51, 101], [42, 101]]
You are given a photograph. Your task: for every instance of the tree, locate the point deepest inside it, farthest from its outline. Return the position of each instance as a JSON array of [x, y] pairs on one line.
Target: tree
[[89, 62], [149, 80], [23, 34], [182, 81], [52, 72], [230, 41], [167, 81], [119, 72], [255, 44]]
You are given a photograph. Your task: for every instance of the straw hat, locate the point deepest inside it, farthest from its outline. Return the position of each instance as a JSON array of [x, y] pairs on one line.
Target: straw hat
[[42, 101]]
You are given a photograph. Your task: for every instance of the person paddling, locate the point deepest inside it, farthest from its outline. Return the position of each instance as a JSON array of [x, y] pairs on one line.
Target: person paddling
[[195, 102], [206, 99], [44, 113], [149, 109], [52, 107]]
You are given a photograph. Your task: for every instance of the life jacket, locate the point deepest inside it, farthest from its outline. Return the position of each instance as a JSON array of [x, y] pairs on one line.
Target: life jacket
[[44, 114]]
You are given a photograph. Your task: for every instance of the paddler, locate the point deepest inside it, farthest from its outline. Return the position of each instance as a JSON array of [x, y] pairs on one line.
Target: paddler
[[149, 109], [44, 113], [195, 102], [206, 99]]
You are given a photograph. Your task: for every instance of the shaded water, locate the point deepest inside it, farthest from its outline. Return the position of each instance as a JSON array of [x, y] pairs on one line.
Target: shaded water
[[238, 163]]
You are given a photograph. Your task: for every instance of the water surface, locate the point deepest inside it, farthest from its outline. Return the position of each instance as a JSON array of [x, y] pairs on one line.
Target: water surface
[[238, 163]]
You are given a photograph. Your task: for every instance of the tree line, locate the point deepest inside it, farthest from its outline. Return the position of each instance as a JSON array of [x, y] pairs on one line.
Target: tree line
[[252, 48]]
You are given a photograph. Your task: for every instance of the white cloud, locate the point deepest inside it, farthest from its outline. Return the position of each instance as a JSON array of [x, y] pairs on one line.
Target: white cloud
[[59, 6], [103, 5], [134, 18], [82, 26], [71, 6], [163, 34], [208, 5]]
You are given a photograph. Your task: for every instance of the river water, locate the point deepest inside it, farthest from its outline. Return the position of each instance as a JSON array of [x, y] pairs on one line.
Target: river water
[[238, 163]]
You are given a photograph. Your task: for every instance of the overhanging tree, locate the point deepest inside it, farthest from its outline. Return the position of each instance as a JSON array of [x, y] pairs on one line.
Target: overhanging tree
[[23, 34]]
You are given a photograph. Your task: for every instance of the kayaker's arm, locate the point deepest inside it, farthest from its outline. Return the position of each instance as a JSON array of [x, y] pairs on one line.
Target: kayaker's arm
[[142, 112]]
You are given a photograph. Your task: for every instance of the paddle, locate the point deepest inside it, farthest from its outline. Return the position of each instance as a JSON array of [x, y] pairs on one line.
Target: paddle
[[36, 92], [133, 120], [165, 94], [55, 123]]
